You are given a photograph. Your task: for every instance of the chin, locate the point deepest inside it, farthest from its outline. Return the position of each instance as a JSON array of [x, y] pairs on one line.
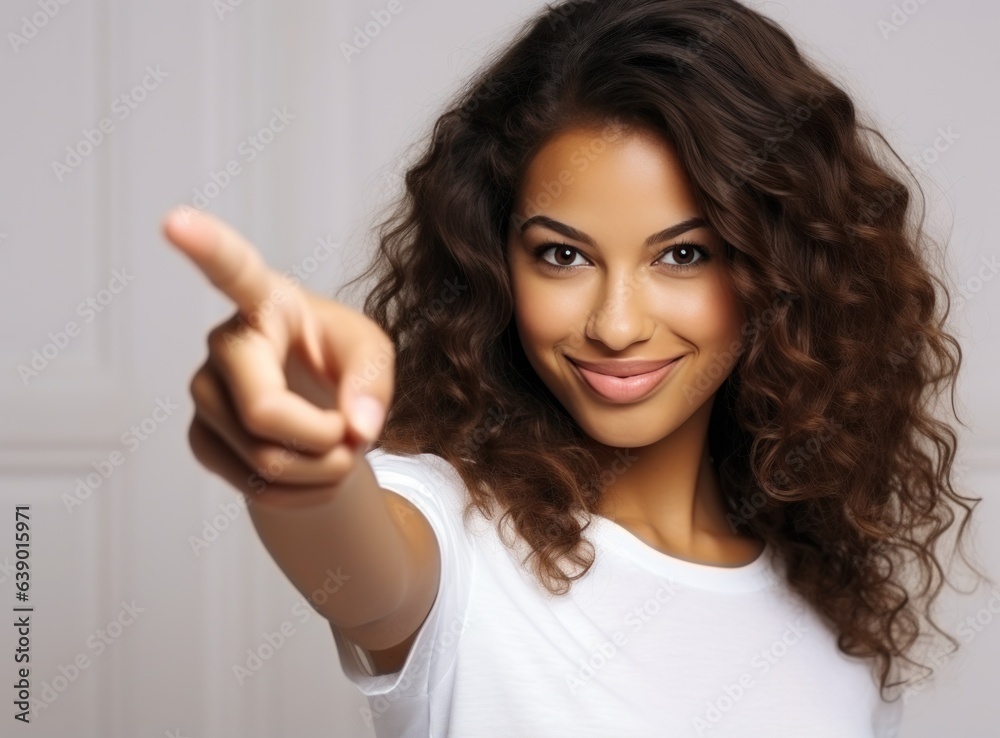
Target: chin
[[618, 433]]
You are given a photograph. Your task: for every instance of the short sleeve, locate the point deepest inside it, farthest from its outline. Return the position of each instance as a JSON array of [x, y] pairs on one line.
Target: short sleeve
[[433, 486]]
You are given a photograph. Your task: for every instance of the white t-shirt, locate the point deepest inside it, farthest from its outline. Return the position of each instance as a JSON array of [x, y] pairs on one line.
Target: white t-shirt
[[645, 644]]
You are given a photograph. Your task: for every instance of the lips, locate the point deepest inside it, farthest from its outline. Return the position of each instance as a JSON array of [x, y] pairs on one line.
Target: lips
[[623, 381], [623, 367]]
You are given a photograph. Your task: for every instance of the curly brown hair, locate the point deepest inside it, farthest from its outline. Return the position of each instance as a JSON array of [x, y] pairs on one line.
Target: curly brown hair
[[824, 434]]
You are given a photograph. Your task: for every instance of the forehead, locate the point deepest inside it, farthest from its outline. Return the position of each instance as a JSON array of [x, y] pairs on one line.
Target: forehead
[[603, 174]]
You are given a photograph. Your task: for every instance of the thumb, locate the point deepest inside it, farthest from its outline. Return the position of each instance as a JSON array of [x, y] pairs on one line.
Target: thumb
[[360, 359], [366, 388], [366, 415]]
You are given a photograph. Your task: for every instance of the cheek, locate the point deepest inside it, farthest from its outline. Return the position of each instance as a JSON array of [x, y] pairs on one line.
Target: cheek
[[543, 312], [722, 334], [704, 312]]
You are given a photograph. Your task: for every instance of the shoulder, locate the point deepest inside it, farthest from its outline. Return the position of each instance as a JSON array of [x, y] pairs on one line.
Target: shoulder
[[425, 467], [425, 475]]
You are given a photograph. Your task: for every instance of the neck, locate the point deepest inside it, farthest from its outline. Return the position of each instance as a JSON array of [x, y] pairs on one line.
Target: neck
[[669, 488]]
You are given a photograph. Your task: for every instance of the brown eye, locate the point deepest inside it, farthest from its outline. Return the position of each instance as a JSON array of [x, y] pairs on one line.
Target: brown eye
[[563, 255], [685, 254], [682, 253]]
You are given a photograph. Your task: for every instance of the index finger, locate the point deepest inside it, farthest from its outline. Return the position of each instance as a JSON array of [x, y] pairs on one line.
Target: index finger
[[230, 262]]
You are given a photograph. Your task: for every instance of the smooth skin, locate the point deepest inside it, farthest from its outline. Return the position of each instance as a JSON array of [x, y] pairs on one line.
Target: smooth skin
[[586, 286]]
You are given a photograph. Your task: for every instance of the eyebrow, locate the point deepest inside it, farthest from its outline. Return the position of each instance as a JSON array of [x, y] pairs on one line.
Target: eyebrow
[[665, 235]]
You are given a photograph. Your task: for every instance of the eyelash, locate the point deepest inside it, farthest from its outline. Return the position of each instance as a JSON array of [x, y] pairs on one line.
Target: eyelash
[[705, 256]]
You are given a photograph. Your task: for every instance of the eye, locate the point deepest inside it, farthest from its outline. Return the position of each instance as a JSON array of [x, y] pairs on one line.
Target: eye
[[681, 252], [685, 250], [561, 251]]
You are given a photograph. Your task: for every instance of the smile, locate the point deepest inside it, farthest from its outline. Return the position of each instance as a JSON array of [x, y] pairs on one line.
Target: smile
[[624, 389]]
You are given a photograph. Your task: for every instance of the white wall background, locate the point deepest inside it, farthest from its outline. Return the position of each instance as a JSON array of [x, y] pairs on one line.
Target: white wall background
[[223, 67]]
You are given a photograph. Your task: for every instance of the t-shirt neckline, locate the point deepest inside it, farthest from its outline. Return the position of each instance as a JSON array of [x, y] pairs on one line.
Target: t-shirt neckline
[[756, 574]]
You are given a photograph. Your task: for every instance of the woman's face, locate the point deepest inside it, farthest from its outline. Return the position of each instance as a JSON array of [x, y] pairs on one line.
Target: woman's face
[[588, 287]]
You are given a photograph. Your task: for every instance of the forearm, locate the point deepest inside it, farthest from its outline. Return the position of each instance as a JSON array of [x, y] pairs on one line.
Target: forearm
[[342, 551]]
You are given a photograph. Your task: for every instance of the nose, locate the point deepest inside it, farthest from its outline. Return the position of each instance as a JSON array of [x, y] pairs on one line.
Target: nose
[[621, 316]]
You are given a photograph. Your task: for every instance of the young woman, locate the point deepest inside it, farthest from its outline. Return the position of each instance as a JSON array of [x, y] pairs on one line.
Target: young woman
[[657, 340]]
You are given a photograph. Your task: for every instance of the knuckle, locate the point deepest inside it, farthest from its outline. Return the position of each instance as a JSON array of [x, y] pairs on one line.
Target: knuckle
[[257, 418], [217, 339], [201, 387], [221, 336], [192, 436], [196, 440], [266, 461]]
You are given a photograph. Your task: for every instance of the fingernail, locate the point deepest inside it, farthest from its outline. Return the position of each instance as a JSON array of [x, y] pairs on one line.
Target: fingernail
[[367, 415]]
